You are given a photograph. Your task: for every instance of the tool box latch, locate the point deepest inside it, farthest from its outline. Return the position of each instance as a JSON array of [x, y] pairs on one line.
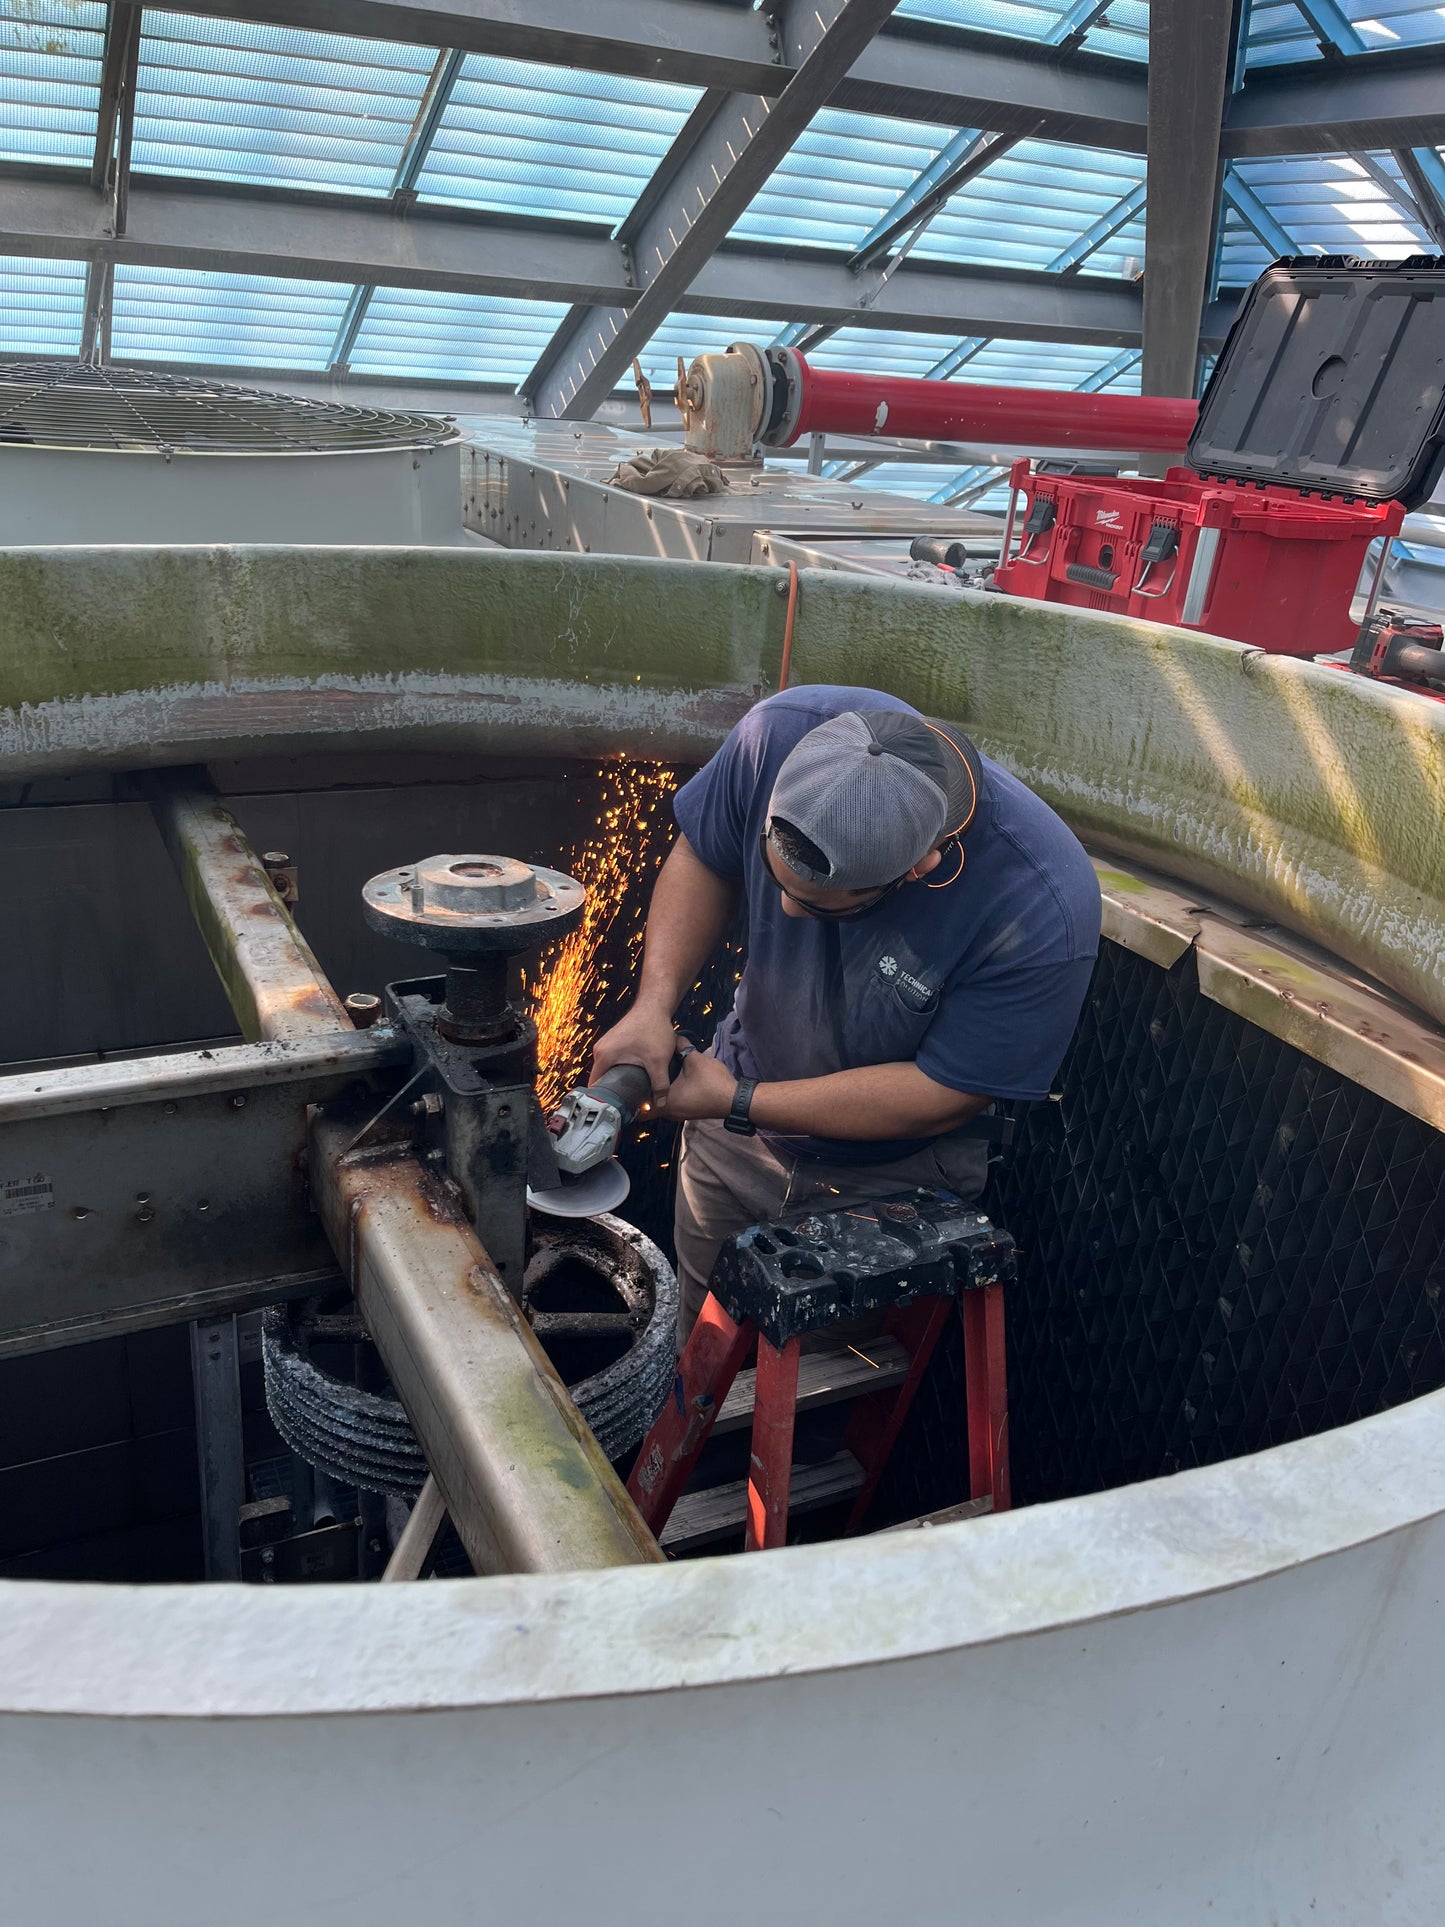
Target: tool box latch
[[1162, 546], [1043, 513]]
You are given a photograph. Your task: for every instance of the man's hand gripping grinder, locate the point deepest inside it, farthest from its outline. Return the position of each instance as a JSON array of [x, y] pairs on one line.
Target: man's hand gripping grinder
[[585, 1129]]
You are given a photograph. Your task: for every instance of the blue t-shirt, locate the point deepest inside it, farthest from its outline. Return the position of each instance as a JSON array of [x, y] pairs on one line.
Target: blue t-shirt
[[979, 983]]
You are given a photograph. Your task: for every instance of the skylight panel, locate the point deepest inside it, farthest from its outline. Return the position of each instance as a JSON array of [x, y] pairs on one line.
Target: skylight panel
[[1026, 208], [50, 60], [842, 176], [1326, 204], [224, 100], [231, 320], [1121, 30], [520, 138], [1280, 30], [420, 335], [42, 306]]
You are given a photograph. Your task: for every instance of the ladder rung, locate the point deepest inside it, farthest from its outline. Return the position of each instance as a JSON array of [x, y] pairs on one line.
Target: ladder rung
[[721, 1510], [823, 1378]]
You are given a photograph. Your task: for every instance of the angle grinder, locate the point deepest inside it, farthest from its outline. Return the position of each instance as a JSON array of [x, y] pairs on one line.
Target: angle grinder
[[585, 1130]]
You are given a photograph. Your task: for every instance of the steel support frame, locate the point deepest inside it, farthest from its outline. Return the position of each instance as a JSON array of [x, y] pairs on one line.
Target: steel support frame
[[1071, 259], [1189, 49], [268, 970], [220, 1446], [110, 165], [959, 78], [1331, 27], [167, 1188], [1368, 101], [1424, 174], [116, 104], [522, 1478], [909, 204], [418, 145], [332, 239], [1267, 230], [705, 184], [962, 162]]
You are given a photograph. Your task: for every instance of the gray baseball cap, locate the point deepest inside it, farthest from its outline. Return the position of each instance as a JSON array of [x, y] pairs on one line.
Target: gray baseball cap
[[874, 791]]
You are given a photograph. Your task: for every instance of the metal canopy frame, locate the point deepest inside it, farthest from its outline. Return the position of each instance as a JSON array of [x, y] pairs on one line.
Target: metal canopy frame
[[1191, 42], [722, 158], [333, 238], [764, 72]]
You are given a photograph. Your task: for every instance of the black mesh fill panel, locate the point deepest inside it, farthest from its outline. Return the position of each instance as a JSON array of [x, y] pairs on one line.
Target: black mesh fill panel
[[1222, 1244]]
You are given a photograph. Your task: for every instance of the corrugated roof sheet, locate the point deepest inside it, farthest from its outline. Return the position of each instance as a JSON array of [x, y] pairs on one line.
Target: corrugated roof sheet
[[519, 138], [1279, 31], [842, 176], [693, 334], [235, 320], [1122, 31], [50, 55], [1013, 364], [416, 335], [848, 172], [1026, 207], [1317, 203], [42, 306], [220, 100]]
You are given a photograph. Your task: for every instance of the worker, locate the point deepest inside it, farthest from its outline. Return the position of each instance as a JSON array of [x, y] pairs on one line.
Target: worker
[[921, 929]]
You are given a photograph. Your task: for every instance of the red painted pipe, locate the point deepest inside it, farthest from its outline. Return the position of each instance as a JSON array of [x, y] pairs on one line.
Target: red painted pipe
[[836, 403]]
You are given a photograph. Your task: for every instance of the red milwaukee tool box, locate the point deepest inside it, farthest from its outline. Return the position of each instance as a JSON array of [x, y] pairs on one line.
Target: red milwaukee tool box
[[1323, 422]]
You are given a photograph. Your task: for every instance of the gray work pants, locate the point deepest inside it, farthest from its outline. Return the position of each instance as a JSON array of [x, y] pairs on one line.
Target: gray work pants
[[725, 1182]]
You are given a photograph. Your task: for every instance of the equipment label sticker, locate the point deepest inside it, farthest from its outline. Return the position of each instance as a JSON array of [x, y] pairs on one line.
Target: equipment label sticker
[[35, 1193]]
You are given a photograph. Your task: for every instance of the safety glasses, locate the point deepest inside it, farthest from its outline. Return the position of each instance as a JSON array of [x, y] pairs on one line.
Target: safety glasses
[[828, 916]]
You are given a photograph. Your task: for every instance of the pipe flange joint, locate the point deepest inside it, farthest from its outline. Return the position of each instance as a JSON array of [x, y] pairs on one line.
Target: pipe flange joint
[[472, 905]]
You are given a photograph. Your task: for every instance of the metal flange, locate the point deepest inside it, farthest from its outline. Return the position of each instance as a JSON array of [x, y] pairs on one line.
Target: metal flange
[[473, 905]]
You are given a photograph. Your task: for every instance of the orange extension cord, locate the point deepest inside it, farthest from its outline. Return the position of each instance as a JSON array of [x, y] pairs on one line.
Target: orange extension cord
[[785, 668]]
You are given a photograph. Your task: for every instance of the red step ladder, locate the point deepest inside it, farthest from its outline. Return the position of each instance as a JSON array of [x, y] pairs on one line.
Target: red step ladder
[[775, 1295]]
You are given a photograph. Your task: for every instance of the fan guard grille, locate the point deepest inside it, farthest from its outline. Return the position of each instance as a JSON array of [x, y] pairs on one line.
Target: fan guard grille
[[67, 404]]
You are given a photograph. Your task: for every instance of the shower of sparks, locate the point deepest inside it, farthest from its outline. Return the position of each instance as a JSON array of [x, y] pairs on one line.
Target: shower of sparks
[[597, 965]]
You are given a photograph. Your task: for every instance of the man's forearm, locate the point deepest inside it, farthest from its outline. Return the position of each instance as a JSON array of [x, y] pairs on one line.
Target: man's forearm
[[876, 1101], [692, 907]]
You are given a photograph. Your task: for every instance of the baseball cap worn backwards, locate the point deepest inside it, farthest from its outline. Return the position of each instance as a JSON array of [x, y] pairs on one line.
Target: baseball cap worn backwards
[[874, 791]]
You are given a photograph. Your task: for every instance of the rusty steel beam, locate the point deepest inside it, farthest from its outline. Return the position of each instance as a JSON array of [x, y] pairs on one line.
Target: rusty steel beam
[[275, 985], [523, 1478]]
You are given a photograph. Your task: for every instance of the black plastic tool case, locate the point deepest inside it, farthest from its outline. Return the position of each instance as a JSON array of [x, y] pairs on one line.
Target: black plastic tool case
[[1332, 380]]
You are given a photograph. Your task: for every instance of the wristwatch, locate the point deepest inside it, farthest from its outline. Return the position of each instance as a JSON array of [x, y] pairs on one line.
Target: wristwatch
[[737, 1119]]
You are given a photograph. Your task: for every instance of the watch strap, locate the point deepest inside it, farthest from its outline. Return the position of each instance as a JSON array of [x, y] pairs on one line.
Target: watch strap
[[738, 1119]]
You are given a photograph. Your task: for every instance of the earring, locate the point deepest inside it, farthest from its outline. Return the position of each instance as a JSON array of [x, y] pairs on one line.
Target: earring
[[958, 872]]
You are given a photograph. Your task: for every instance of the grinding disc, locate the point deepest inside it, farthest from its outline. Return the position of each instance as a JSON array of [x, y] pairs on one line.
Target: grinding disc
[[602, 1188]]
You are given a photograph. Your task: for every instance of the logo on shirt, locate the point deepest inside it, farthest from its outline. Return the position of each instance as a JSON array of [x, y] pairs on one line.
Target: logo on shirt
[[909, 989]]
